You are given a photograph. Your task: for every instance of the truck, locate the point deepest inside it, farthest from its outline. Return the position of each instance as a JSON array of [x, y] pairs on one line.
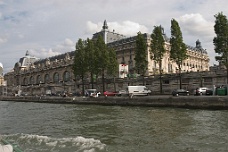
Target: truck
[[92, 93], [138, 90]]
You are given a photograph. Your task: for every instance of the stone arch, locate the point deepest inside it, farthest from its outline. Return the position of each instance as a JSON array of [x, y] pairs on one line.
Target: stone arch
[[46, 78], [31, 80], [66, 76], [25, 82], [38, 79], [56, 77]]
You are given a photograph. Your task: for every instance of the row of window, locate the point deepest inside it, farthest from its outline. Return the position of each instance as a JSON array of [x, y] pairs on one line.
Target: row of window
[[192, 65], [47, 78]]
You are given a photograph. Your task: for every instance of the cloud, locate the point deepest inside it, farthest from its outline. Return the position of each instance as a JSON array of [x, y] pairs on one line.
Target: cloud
[[92, 27], [21, 36], [3, 40], [127, 28], [1, 2], [43, 53], [66, 46], [196, 25]]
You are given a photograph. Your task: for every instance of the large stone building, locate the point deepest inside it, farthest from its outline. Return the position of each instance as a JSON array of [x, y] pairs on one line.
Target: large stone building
[[198, 59], [35, 76]]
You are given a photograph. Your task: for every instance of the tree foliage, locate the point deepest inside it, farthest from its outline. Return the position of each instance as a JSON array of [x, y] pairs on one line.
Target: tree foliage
[[178, 52], [141, 54], [157, 45], [91, 58], [221, 39], [102, 57], [94, 58], [158, 49], [112, 68], [80, 66]]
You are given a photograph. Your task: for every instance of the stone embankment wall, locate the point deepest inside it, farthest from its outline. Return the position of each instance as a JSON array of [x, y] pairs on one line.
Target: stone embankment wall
[[191, 102]]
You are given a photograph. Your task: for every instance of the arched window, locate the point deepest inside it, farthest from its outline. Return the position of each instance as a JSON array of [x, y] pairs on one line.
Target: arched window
[[56, 77], [66, 76], [46, 78], [38, 79], [25, 81], [31, 80]]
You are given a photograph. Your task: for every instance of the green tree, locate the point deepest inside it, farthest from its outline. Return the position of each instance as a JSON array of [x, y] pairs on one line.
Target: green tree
[[102, 58], [178, 52], [112, 68], [80, 66], [221, 40], [158, 49], [91, 58], [141, 62]]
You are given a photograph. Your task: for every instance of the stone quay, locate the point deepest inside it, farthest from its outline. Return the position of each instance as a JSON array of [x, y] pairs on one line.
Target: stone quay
[[188, 102]]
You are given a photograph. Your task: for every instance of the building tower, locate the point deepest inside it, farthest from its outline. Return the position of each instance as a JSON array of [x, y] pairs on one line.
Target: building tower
[[198, 44], [105, 31]]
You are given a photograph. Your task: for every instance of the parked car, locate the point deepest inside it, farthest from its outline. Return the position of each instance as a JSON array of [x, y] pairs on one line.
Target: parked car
[[109, 93], [201, 91], [122, 93], [178, 92], [209, 91]]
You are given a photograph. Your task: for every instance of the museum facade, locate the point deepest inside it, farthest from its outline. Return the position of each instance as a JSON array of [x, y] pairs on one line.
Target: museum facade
[[34, 76]]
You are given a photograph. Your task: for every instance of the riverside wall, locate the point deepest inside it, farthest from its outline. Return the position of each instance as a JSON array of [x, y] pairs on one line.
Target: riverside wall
[[190, 102]]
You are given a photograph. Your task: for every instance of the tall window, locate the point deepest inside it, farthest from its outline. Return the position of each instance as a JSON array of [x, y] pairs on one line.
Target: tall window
[[66, 76], [46, 78], [31, 80], [170, 68], [155, 65], [56, 77], [38, 79], [25, 81]]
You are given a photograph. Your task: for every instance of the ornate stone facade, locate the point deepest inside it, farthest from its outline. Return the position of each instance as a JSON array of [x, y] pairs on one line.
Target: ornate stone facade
[[198, 59], [54, 74]]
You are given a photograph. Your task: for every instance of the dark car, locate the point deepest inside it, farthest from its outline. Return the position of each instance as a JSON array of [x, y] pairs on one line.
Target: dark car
[[178, 92], [209, 91]]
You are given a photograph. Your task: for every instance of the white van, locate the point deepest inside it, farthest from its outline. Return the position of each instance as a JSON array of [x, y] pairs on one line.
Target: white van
[[92, 93], [138, 90]]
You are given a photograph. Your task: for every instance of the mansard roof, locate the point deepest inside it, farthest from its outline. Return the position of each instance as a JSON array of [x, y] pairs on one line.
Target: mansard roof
[[27, 60], [200, 50], [56, 57]]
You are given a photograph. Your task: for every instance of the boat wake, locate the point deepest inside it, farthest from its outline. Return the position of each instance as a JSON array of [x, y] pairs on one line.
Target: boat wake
[[36, 143]]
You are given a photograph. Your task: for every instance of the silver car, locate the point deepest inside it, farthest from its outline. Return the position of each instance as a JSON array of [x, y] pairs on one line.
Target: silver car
[[201, 91]]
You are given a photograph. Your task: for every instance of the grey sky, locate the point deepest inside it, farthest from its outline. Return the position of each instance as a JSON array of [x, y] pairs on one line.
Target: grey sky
[[48, 28]]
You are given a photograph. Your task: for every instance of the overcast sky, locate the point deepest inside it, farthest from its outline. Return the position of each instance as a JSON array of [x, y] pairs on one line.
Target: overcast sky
[[51, 27]]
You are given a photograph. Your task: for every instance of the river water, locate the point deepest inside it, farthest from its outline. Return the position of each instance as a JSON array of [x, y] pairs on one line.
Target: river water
[[40, 127]]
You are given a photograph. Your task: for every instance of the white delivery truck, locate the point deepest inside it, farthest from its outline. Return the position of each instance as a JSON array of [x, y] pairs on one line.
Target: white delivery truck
[[138, 90], [92, 93]]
